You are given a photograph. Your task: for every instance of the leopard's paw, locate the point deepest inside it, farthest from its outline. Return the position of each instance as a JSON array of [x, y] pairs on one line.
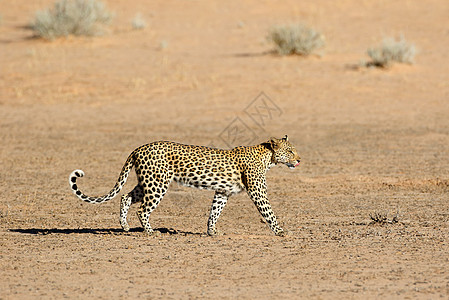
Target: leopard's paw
[[212, 232], [280, 232]]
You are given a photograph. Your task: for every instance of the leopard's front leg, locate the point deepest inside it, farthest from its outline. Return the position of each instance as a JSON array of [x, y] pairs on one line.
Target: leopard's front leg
[[257, 191]]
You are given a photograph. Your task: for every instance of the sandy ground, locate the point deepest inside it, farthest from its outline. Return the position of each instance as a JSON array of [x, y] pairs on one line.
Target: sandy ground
[[370, 140]]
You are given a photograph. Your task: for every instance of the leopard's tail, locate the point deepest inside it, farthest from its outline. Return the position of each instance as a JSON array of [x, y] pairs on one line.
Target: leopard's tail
[[115, 190]]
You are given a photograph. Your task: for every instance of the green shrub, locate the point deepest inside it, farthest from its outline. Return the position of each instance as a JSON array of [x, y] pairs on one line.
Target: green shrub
[[296, 39], [390, 51], [77, 17]]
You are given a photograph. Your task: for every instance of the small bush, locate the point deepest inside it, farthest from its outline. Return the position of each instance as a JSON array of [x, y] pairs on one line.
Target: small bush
[[77, 17], [382, 218], [138, 22], [390, 51], [296, 39]]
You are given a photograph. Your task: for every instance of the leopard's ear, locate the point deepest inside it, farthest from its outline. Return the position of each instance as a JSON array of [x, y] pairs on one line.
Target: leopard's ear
[[274, 143], [285, 138]]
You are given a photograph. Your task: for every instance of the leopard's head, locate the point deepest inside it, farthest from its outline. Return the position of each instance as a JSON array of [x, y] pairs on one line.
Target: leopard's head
[[284, 152]]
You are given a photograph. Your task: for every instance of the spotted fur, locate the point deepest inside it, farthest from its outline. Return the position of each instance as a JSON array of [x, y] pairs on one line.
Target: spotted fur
[[227, 172]]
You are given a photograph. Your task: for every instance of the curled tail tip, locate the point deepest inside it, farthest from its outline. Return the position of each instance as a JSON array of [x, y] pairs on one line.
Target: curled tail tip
[[72, 181], [77, 173]]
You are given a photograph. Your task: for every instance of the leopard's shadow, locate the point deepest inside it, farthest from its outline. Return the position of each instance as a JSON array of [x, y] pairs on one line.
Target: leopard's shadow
[[116, 231]]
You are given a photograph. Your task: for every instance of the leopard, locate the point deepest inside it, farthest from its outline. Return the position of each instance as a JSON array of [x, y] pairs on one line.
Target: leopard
[[226, 172]]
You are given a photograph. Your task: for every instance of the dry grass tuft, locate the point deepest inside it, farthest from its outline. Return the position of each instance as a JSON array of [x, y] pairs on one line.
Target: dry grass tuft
[[382, 218], [138, 22], [296, 39], [72, 17], [390, 51]]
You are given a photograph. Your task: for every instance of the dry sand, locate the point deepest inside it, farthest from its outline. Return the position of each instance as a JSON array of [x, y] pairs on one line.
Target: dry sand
[[370, 140]]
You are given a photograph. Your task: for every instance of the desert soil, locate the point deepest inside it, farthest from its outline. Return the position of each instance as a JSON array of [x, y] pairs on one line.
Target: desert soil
[[371, 141]]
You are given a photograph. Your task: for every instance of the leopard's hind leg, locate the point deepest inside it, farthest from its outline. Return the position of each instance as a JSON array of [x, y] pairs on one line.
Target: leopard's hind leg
[[152, 195], [136, 195], [218, 203]]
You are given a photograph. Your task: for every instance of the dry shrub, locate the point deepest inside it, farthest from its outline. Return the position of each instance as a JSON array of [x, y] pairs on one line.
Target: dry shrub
[[391, 50], [382, 218], [138, 22], [72, 17], [296, 39]]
